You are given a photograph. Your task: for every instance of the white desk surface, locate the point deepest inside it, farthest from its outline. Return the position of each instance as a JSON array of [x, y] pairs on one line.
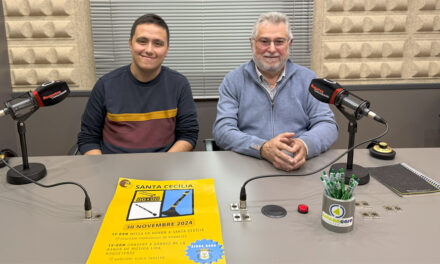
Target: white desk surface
[[46, 225]]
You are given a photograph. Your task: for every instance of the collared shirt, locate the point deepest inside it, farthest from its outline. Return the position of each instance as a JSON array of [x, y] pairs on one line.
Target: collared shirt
[[266, 85]]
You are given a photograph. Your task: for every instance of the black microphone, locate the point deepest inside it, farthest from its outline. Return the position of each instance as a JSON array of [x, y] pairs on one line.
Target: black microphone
[[47, 94], [331, 92], [20, 108]]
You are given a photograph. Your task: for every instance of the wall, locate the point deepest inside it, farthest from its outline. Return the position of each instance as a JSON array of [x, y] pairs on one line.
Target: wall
[[49, 40], [413, 116], [7, 126], [377, 42]]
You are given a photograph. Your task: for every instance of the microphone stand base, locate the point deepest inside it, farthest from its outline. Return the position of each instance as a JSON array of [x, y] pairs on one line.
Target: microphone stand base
[[358, 171], [36, 171]]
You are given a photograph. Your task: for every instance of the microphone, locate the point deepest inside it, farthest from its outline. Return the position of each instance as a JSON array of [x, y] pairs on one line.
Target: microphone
[[47, 94], [331, 92], [20, 108]]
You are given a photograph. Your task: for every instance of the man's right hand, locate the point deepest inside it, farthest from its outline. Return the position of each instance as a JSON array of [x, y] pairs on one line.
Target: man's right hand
[[272, 151], [93, 152]]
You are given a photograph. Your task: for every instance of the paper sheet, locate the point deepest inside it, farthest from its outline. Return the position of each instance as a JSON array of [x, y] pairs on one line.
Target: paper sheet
[[161, 222]]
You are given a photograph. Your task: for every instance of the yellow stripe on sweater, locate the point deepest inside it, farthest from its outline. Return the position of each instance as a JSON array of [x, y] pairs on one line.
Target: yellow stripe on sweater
[[142, 117]]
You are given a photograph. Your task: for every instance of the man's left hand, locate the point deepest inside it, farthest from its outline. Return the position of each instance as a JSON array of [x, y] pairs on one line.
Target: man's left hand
[[299, 152]]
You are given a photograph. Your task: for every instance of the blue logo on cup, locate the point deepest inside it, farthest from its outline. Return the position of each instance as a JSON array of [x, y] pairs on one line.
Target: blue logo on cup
[[204, 251], [337, 210]]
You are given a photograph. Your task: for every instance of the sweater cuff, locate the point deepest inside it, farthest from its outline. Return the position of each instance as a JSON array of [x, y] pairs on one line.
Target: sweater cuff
[[190, 141], [86, 147], [256, 147]]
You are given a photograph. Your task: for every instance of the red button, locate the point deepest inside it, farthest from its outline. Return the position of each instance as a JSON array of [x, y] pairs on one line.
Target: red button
[[302, 208]]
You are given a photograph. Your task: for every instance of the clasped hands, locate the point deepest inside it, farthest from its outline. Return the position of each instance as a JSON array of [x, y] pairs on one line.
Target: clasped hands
[[274, 152]]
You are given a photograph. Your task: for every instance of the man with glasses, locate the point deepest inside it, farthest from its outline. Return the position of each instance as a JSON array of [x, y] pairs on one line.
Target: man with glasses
[[265, 109], [143, 106]]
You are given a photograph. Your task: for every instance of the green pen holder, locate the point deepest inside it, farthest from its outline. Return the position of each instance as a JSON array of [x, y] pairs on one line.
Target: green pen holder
[[337, 215]]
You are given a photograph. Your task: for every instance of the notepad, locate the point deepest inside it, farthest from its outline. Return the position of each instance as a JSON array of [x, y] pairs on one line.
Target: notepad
[[404, 180]]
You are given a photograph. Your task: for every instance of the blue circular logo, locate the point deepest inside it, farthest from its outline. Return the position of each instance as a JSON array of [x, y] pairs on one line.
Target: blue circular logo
[[204, 251], [337, 210]]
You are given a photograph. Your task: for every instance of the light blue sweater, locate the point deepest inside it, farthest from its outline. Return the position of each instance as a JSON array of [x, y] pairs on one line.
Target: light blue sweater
[[247, 117]]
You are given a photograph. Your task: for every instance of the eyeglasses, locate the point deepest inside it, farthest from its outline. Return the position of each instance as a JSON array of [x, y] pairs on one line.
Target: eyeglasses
[[264, 42]]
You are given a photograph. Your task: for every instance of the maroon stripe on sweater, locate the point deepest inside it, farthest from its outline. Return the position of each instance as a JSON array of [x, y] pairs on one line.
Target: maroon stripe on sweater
[[140, 134]]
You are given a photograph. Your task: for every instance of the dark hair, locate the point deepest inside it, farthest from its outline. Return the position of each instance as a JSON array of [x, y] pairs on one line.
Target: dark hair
[[150, 19]]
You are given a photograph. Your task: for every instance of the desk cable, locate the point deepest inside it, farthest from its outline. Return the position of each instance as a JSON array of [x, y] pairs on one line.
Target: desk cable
[[243, 187], [87, 202]]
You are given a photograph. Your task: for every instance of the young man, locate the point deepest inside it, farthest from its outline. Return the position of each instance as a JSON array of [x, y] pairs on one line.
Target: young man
[[144, 106], [265, 109]]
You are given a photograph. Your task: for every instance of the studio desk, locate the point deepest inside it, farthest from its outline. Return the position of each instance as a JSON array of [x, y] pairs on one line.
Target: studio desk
[[48, 226]]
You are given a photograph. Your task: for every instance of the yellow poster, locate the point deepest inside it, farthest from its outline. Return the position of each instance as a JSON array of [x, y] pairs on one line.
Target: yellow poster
[[161, 222]]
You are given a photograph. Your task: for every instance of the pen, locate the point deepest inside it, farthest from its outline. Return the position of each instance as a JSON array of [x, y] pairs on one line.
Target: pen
[[339, 191], [355, 183], [350, 187], [336, 190], [334, 184], [327, 191], [342, 183]]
